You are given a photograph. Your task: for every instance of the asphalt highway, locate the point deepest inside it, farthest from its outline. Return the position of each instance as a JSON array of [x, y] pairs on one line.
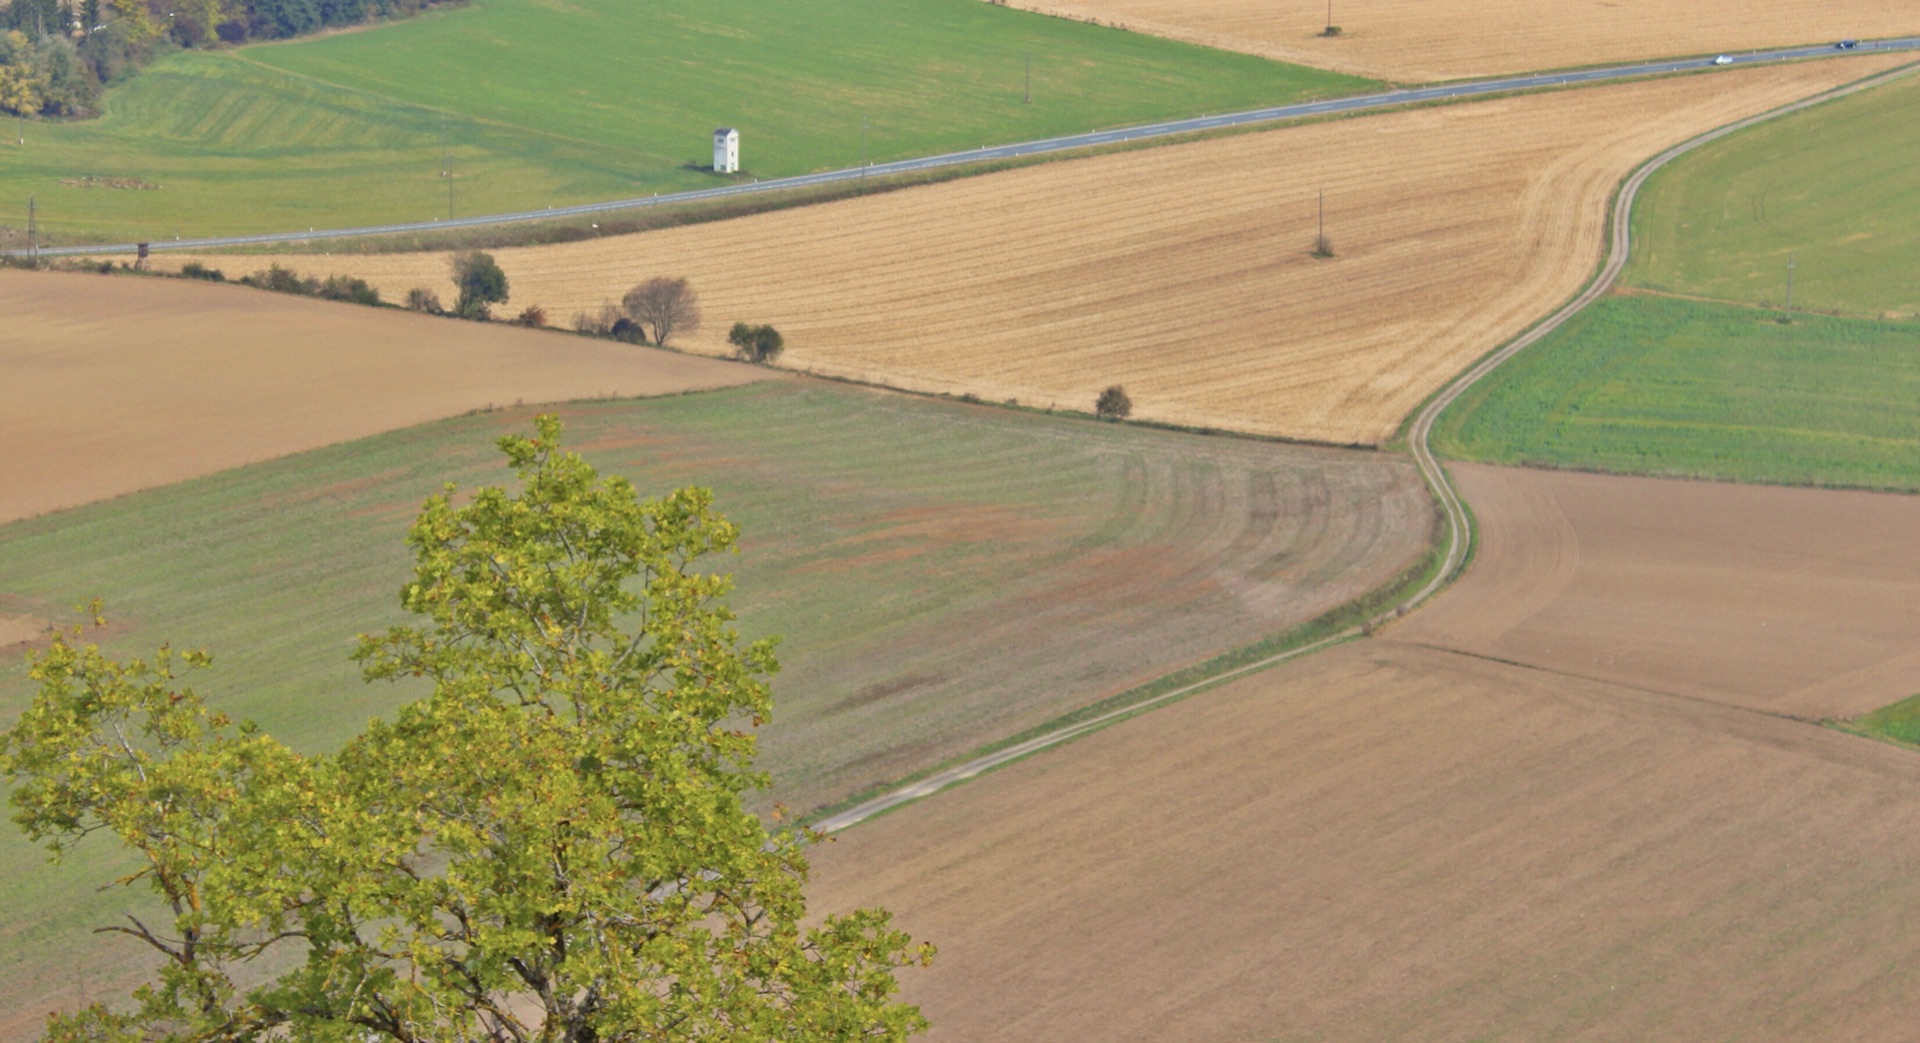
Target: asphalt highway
[[1170, 128]]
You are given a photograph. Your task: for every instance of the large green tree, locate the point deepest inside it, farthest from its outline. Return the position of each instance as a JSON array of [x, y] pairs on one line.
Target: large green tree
[[551, 846]]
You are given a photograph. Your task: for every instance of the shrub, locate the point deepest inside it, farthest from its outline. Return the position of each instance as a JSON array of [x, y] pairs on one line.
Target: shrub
[[481, 283], [349, 289], [424, 300], [628, 330], [532, 316], [1113, 404], [598, 324], [283, 280], [756, 343], [196, 270], [1323, 247]]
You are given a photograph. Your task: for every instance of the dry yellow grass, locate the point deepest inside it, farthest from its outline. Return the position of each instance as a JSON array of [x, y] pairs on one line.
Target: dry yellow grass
[[1418, 40], [1183, 273]]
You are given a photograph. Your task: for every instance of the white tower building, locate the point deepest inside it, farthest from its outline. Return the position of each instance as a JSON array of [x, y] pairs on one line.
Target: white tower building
[[726, 151]]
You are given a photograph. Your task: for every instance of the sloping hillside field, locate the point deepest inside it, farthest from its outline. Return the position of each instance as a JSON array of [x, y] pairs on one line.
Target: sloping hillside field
[[1184, 273], [1653, 385], [1830, 188], [943, 576], [113, 385], [1389, 841], [536, 104], [1412, 40]]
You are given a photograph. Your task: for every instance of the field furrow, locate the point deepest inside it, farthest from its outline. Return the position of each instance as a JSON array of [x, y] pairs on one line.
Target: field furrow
[[1183, 273]]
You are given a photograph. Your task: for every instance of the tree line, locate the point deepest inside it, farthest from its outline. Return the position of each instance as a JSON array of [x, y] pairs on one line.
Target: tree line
[[57, 55]]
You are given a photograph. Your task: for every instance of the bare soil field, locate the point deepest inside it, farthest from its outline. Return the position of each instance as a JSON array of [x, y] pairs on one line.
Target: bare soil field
[[1183, 273], [117, 384], [1794, 601], [1419, 40], [1392, 842]]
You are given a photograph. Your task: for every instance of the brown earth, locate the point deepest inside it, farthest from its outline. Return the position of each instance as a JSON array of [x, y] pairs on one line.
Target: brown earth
[[21, 630], [118, 384], [1181, 272], [1794, 601], [1418, 40], [1387, 842], [1392, 841]]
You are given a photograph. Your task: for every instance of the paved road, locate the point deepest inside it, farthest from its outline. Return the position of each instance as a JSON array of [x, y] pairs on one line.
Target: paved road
[[1418, 436], [1276, 114]]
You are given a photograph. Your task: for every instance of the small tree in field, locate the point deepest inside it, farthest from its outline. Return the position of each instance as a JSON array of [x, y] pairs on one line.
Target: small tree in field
[[664, 307], [1113, 404], [552, 846], [481, 284], [756, 343]]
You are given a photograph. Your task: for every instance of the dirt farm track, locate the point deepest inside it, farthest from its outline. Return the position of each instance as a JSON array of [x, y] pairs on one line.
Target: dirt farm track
[[1454, 228], [1397, 840], [1415, 40], [114, 385]]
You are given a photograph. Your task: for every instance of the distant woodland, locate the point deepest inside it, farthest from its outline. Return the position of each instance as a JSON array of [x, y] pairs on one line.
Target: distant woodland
[[57, 55]]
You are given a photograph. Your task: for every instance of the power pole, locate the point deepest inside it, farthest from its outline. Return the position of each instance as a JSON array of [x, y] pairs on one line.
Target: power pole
[[1029, 77], [1329, 17], [33, 232], [863, 148], [449, 188], [1789, 285], [1322, 237]]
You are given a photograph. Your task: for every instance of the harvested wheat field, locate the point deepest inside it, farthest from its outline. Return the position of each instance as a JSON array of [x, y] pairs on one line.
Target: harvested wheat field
[[113, 385], [1388, 842], [1183, 273], [1794, 601], [1418, 40]]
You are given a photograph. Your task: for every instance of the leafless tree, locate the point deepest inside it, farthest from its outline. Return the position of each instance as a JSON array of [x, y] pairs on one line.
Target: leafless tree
[[664, 306]]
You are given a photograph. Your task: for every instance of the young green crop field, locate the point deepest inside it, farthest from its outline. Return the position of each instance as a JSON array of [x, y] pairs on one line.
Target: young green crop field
[[543, 103], [1831, 188], [1654, 385], [942, 575]]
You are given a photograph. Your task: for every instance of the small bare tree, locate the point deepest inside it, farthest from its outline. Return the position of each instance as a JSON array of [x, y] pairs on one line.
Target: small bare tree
[[665, 306]]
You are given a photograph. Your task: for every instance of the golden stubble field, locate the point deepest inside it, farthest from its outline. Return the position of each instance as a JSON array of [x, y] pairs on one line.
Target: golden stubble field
[[1420, 40], [1183, 273], [118, 384]]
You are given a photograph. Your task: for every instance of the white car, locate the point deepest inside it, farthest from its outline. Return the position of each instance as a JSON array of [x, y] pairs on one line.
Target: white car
[[1723, 60]]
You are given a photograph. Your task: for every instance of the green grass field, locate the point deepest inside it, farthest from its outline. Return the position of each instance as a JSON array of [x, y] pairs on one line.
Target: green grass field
[[1654, 385], [1832, 187], [547, 103], [1899, 722], [943, 575]]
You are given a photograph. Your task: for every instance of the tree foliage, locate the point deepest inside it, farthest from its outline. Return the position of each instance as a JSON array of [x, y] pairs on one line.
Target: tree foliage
[[663, 307], [1113, 404], [756, 343], [481, 283], [551, 846]]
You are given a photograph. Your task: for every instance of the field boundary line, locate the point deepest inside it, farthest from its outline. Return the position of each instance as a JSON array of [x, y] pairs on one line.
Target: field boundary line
[[1277, 114], [1453, 507], [1619, 246]]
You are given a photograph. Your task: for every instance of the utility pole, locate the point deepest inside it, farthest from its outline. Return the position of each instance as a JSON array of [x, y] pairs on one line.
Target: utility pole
[[1329, 17], [1029, 77], [33, 232], [449, 188], [1322, 237], [863, 147]]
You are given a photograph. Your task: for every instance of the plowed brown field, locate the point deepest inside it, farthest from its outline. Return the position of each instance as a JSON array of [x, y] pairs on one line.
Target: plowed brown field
[[1411, 40], [113, 385], [1385, 842], [1795, 601], [1182, 273], [1391, 841]]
